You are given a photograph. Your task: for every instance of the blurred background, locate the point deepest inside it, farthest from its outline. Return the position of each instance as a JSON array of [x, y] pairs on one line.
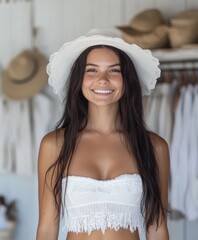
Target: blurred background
[[30, 31]]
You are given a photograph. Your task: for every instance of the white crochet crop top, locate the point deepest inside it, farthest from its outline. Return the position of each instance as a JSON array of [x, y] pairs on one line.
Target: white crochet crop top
[[91, 204]]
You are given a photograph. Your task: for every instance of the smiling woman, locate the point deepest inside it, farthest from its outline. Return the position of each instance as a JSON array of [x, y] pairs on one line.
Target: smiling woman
[[101, 167]]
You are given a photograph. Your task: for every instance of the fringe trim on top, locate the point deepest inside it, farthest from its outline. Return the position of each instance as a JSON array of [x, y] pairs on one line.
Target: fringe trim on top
[[102, 216]]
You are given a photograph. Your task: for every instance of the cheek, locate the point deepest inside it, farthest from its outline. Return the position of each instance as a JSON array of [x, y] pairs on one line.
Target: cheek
[[84, 83], [121, 83]]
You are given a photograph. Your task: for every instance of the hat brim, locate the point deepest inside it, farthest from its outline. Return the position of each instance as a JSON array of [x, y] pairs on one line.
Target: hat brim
[[61, 62], [27, 89]]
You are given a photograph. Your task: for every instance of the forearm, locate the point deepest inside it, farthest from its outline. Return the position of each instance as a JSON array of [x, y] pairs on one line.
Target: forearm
[[160, 234], [46, 234]]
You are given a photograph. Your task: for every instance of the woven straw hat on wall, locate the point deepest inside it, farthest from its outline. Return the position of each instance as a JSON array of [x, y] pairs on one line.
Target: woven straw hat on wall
[[25, 76]]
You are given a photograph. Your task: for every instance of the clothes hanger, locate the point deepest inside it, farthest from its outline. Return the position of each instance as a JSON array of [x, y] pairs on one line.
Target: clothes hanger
[[167, 74], [192, 77], [185, 77]]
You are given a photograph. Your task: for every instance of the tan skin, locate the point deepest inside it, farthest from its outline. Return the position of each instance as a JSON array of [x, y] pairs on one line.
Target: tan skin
[[100, 153]]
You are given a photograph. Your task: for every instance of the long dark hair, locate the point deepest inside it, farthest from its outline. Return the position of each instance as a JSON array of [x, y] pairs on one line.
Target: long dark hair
[[137, 137]]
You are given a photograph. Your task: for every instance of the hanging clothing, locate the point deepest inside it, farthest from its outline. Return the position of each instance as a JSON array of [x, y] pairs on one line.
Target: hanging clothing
[[177, 124], [192, 161], [158, 110], [24, 154], [153, 109], [182, 167], [175, 148], [16, 144], [3, 135], [165, 111], [24, 125]]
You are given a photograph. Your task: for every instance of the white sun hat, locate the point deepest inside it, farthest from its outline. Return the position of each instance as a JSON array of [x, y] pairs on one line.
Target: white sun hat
[[61, 62]]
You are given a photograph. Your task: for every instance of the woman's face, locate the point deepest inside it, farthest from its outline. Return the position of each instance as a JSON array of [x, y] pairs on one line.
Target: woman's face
[[102, 82]]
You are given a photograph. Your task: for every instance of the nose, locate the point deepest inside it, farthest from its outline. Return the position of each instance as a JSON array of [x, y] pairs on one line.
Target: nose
[[103, 79]]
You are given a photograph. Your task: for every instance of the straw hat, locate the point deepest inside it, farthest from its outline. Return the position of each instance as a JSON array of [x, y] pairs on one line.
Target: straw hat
[[144, 22], [187, 34], [25, 76], [155, 39], [181, 17], [183, 29], [147, 29]]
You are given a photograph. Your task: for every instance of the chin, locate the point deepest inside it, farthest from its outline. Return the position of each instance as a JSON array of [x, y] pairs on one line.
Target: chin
[[103, 104]]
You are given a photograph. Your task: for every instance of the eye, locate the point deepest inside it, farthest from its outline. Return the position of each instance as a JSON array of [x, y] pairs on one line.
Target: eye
[[91, 70], [115, 70]]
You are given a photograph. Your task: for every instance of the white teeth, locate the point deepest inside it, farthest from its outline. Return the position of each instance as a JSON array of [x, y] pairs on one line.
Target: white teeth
[[103, 91]]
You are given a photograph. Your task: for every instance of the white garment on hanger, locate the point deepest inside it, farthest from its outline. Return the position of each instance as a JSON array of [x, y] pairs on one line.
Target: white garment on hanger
[[12, 128], [18, 152], [183, 165], [24, 144], [165, 111], [174, 150], [179, 171], [2, 134], [192, 188], [9, 120], [152, 110]]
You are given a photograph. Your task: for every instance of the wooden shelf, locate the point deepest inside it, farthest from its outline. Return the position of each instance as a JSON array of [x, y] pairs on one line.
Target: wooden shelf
[[179, 54]]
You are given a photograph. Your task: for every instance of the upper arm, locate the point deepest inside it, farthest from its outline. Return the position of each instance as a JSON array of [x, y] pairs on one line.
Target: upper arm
[[48, 219], [161, 151], [163, 160]]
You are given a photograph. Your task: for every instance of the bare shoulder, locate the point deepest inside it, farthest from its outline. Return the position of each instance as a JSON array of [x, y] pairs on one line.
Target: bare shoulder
[[54, 137], [158, 142], [161, 150], [50, 147], [53, 141]]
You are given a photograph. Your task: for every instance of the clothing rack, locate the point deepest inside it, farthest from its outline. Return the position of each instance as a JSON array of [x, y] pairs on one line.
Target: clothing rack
[[177, 59], [179, 65]]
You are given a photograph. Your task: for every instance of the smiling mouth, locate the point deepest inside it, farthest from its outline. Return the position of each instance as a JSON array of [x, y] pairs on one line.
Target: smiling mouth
[[102, 91]]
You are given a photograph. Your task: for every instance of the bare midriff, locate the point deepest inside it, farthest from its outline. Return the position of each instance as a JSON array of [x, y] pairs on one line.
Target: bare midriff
[[124, 234]]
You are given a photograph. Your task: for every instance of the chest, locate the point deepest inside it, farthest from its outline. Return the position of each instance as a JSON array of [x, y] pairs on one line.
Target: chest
[[101, 157]]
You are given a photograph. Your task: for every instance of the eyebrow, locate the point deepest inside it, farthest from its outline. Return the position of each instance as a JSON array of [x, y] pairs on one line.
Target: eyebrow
[[95, 65]]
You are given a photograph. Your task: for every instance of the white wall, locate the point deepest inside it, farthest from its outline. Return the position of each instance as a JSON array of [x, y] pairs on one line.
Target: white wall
[[58, 21], [71, 19], [15, 30]]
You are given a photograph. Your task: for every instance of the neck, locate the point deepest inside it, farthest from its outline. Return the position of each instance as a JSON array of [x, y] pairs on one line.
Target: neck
[[103, 119]]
